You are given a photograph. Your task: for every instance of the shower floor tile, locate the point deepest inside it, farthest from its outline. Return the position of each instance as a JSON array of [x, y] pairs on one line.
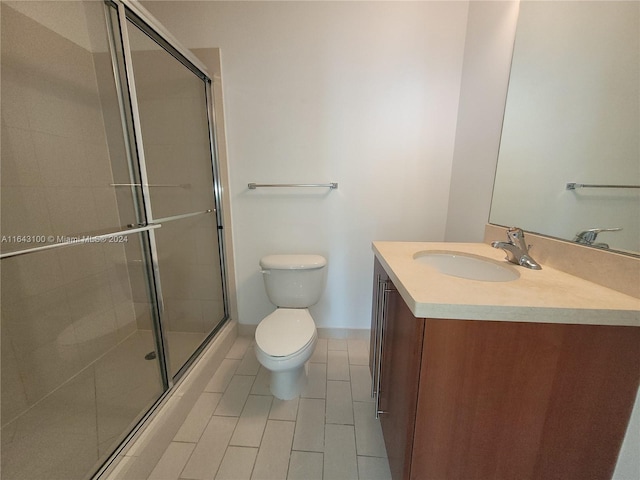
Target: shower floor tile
[[252, 435]]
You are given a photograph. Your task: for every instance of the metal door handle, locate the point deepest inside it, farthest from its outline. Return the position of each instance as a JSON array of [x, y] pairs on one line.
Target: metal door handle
[[381, 328]]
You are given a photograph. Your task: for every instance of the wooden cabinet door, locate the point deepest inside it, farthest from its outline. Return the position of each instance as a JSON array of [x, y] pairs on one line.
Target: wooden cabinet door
[[509, 400], [400, 375]]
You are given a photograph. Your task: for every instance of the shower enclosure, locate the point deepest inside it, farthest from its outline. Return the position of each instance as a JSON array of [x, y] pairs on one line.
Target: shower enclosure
[[112, 261]]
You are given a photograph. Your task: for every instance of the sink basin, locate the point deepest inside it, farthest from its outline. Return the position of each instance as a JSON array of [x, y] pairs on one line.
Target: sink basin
[[467, 265]]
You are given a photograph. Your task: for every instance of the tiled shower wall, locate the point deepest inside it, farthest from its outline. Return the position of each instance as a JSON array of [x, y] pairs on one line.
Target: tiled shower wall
[[64, 308]]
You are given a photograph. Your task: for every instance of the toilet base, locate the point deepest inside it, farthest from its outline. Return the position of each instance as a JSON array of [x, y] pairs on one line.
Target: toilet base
[[288, 384], [288, 375]]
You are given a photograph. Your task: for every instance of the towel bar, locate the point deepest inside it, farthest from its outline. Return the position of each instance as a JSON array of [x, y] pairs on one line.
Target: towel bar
[[332, 186]]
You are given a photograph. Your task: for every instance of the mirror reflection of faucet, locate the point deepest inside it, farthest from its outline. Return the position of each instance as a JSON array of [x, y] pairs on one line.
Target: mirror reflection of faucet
[[588, 237], [517, 250]]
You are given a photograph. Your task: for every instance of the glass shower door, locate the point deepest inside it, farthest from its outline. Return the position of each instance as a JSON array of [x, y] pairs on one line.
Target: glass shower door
[[111, 263], [174, 124], [76, 300]]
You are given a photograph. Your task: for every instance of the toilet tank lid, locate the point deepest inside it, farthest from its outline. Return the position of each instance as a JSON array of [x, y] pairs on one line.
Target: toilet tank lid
[[293, 262]]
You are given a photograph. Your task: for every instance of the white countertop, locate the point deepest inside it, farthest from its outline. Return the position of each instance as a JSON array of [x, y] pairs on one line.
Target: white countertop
[[541, 296]]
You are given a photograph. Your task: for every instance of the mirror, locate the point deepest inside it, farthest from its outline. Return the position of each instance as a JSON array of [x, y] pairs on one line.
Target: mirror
[[573, 116]]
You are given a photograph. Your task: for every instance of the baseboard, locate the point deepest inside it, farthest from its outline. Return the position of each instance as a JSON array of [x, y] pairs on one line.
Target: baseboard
[[245, 330], [347, 333]]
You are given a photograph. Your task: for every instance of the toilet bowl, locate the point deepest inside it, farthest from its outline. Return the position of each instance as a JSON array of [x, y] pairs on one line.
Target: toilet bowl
[[286, 338]]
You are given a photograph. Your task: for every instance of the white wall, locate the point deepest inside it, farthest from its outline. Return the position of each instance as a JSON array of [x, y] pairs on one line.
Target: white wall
[[360, 93]]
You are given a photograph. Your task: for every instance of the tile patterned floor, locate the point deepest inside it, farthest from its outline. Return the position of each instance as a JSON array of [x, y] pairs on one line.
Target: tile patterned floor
[[238, 430]]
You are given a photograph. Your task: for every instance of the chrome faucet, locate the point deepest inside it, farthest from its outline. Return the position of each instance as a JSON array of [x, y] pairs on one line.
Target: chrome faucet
[[588, 237], [517, 250]]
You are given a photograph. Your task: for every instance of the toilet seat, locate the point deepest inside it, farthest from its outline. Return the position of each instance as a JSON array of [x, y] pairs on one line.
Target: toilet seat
[[285, 331]]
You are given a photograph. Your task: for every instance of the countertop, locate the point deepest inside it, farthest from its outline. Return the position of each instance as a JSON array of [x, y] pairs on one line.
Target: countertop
[[540, 296]]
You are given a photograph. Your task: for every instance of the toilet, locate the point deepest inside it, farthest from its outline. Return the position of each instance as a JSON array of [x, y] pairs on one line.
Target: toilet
[[286, 338]]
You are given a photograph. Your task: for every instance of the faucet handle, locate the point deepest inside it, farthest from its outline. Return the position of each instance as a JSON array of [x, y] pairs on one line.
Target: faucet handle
[[516, 236], [587, 237]]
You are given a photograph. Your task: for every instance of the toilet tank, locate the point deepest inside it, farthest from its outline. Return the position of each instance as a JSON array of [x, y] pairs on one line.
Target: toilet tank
[[294, 281]]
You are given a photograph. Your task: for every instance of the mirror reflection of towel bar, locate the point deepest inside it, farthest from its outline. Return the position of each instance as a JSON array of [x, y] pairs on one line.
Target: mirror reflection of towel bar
[[253, 186], [574, 186]]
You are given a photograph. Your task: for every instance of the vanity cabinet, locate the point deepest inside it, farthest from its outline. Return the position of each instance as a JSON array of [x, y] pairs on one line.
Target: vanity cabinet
[[478, 399]]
